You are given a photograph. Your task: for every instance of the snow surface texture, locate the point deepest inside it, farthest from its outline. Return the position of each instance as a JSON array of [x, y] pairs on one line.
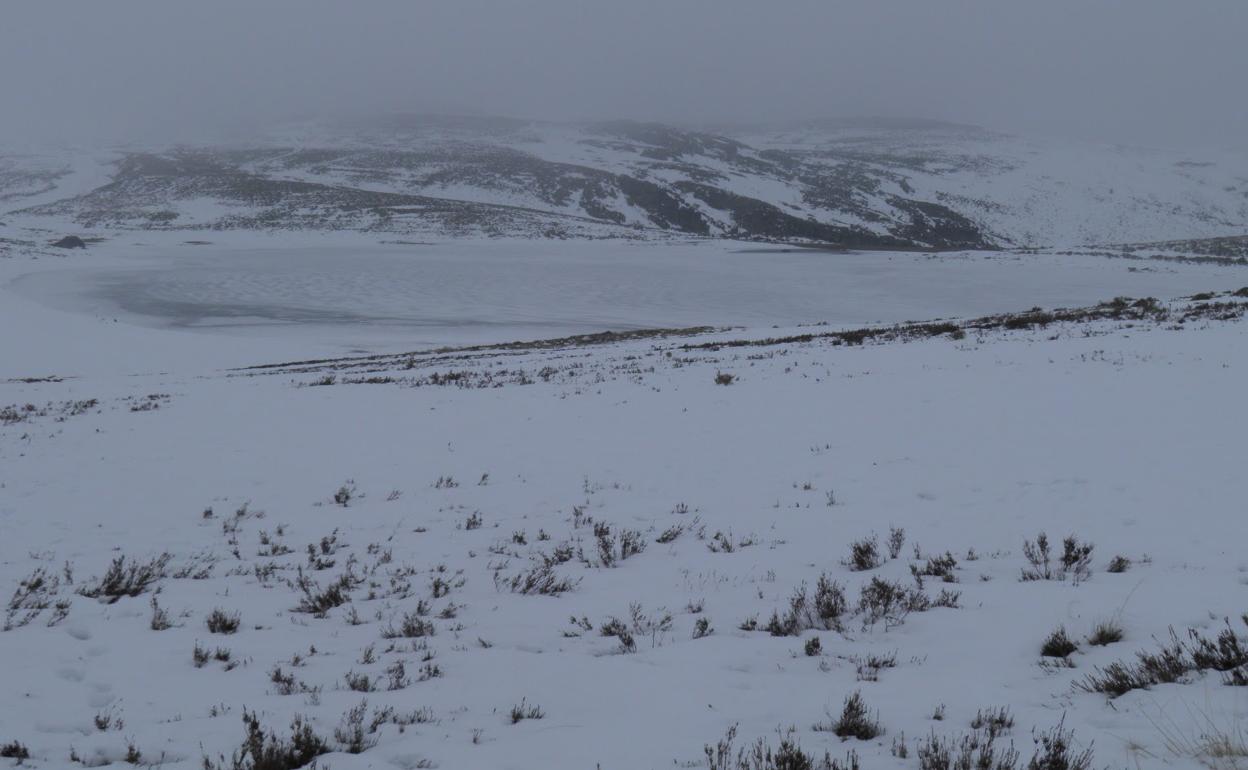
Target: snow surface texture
[[723, 476]]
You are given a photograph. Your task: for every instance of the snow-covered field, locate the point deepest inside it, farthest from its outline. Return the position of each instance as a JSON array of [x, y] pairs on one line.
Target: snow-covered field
[[374, 524]]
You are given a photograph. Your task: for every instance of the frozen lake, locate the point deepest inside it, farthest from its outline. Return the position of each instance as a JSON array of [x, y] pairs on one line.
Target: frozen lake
[[493, 291]]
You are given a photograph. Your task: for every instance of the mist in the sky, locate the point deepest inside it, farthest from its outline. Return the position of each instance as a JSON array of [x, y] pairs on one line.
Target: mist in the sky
[[1157, 72]]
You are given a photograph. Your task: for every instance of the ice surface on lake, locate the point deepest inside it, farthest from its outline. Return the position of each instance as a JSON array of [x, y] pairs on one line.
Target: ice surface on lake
[[451, 293]]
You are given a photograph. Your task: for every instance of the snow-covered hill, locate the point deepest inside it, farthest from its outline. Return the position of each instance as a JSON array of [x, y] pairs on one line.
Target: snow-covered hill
[[856, 184], [614, 550]]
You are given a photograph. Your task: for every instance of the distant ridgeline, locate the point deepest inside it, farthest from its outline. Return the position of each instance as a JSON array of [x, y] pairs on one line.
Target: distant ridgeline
[[892, 184]]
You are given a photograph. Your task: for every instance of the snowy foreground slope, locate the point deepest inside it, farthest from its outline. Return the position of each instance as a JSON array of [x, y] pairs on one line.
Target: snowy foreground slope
[[569, 555]]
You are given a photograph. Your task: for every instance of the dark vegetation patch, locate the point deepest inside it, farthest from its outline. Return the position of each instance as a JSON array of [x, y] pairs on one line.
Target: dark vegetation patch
[[864, 555], [541, 579], [892, 602], [1074, 562], [573, 341], [14, 750], [856, 720], [1173, 662], [57, 410], [1058, 644], [220, 621], [318, 601], [822, 612], [760, 755], [994, 721], [1234, 247], [982, 750], [1105, 633], [126, 578], [1119, 309], [979, 750], [35, 593], [264, 750]]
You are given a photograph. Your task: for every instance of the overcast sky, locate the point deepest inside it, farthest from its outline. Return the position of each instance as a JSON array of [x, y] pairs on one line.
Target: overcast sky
[[1161, 72]]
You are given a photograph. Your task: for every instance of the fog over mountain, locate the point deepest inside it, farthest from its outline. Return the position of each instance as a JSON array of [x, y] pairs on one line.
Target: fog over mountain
[[1144, 72]]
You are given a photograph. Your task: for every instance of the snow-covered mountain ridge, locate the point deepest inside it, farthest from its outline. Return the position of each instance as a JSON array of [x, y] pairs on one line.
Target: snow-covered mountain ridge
[[882, 184]]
